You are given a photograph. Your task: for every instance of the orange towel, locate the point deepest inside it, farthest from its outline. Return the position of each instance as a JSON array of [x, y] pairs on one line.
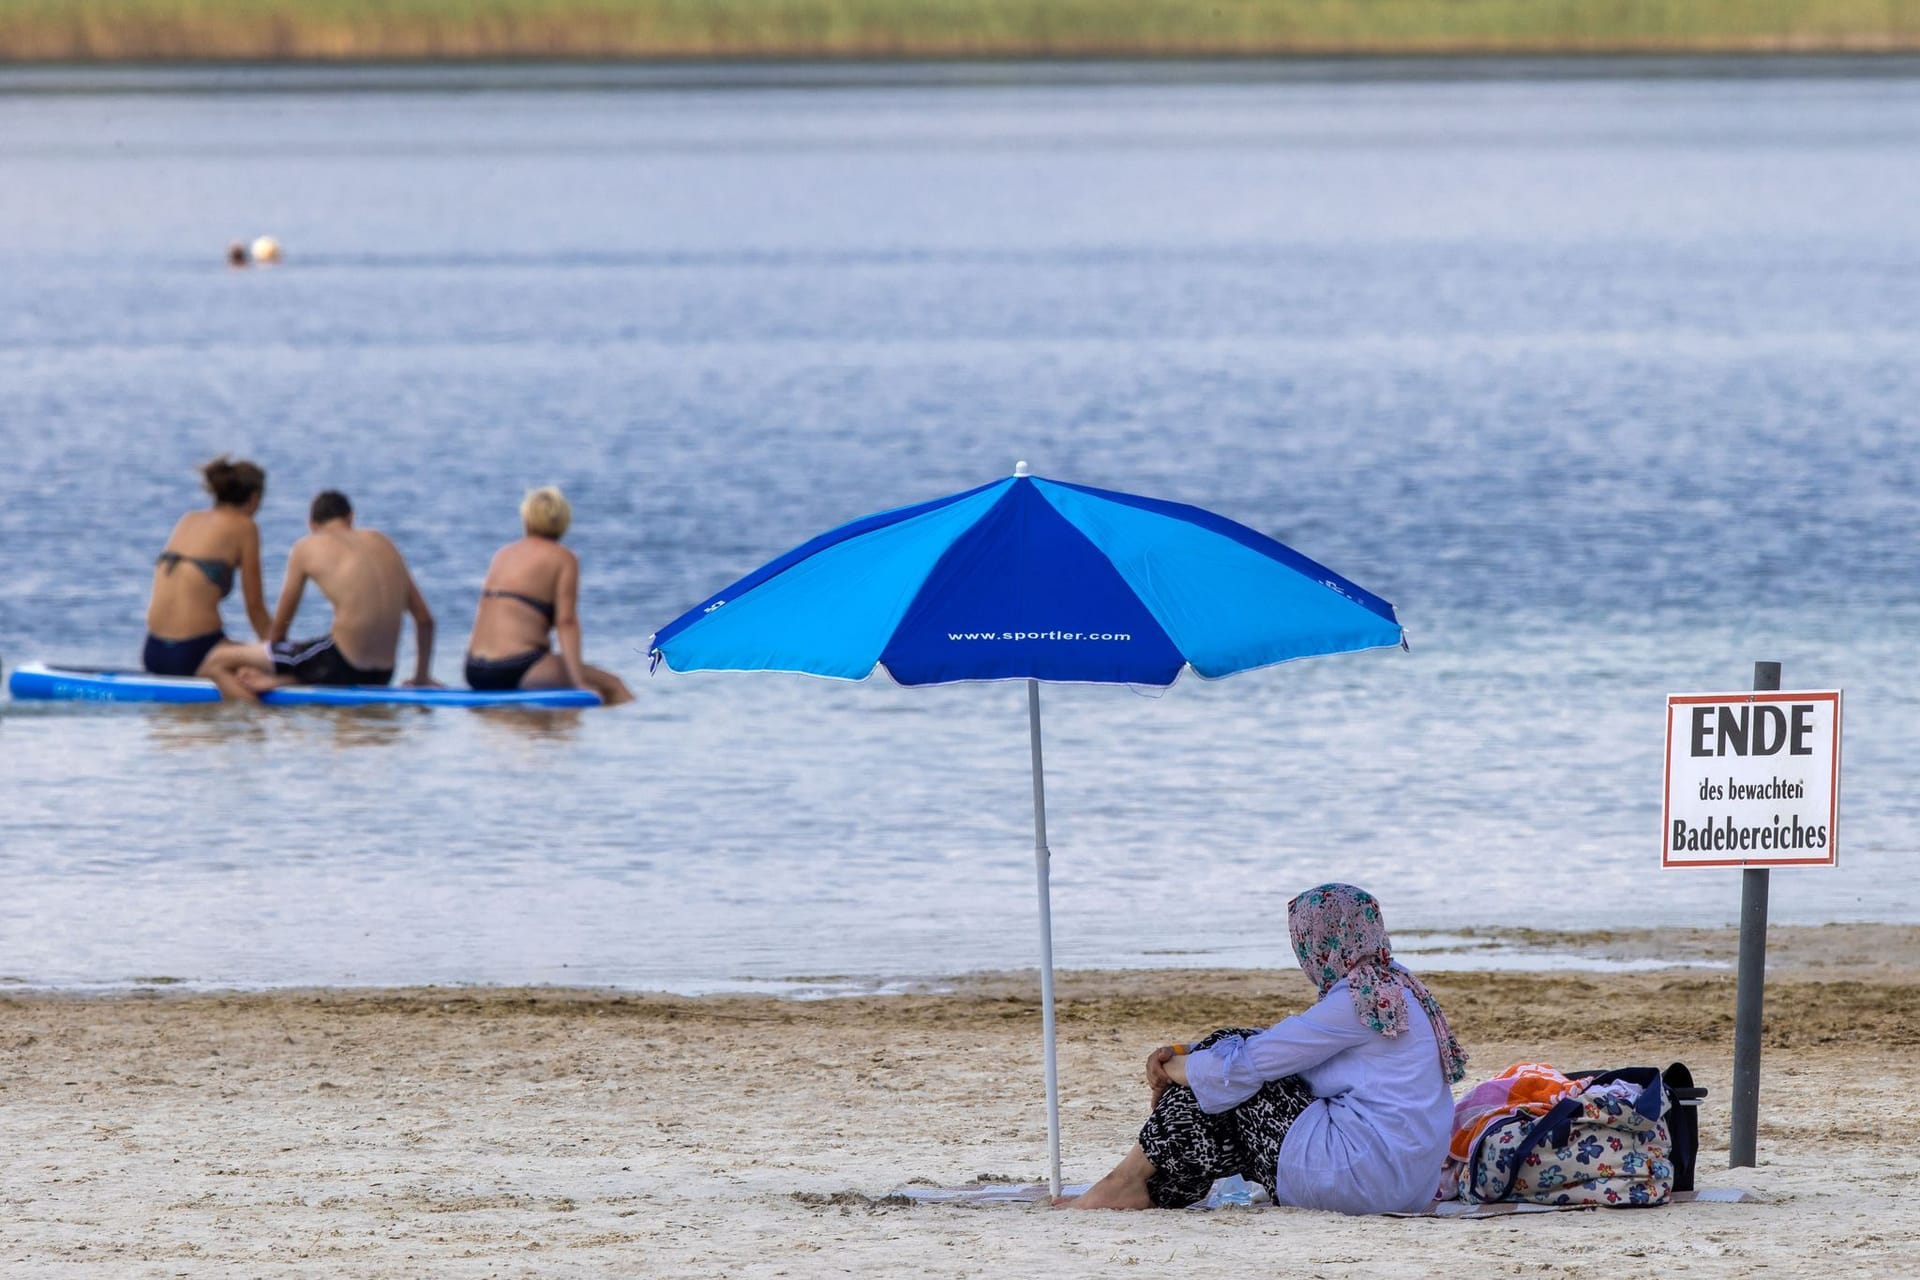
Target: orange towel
[[1530, 1087]]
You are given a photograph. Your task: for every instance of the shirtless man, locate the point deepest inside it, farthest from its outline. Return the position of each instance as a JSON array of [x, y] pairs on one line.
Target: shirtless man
[[362, 575]]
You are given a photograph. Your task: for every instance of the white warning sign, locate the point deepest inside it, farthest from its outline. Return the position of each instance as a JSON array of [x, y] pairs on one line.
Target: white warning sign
[[1753, 780]]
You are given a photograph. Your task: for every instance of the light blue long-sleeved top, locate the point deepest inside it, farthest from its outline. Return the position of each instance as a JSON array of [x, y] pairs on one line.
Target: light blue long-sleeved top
[[1376, 1136]]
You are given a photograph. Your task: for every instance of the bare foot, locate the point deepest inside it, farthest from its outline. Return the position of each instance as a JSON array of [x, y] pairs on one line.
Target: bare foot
[[1124, 1188], [1119, 1196], [612, 689], [232, 685]]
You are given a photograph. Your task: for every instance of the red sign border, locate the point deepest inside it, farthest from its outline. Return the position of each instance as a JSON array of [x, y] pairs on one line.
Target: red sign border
[[1832, 858]]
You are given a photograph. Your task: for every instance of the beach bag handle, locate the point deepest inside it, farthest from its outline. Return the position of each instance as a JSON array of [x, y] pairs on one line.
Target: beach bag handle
[[1556, 1124], [1683, 1120]]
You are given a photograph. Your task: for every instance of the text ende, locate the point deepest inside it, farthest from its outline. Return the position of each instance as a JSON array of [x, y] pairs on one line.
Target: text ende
[[1755, 730]]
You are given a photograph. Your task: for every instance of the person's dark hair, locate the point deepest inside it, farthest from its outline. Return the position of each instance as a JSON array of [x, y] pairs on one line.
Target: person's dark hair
[[329, 504], [233, 483]]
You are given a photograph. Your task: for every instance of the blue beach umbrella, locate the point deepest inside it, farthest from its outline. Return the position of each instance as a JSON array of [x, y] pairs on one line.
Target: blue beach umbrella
[[1031, 579]]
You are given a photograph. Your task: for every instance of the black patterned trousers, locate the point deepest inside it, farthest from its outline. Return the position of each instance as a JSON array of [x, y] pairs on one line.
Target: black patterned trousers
[[1191, 1149]]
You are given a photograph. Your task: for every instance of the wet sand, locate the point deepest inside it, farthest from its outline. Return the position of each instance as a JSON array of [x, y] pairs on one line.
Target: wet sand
[[532, 1133]]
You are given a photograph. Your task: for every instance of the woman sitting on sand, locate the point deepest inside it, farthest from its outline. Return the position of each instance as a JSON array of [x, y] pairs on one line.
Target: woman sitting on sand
[[531, 589], [195, 572], [1343, 1107]]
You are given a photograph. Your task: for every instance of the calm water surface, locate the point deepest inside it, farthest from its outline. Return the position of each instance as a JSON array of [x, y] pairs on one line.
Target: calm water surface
[[1610, 385]]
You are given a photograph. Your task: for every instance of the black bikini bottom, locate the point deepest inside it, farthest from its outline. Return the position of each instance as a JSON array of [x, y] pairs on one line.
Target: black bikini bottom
[[179, 657], [493, 674]]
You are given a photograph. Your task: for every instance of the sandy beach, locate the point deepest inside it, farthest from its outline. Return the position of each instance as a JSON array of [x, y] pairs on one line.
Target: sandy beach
[[487, 1132]]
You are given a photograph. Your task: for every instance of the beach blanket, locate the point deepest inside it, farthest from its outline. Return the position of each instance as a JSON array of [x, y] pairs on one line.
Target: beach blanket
[[989, 1194], [1506, 1208], [1030, 1193]]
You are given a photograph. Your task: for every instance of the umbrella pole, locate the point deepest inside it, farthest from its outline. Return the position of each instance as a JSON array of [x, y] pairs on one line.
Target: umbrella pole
[[1041, 873]]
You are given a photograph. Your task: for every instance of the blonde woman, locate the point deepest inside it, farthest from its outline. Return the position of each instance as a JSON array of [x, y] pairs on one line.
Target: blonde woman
[[531, 592]]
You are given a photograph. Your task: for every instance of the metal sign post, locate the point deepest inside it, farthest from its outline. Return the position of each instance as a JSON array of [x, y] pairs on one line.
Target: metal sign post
[[1750, 994], [1753, 781]]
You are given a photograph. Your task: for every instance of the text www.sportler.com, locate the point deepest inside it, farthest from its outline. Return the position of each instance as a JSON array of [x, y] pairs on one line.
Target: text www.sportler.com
[[1039, 635]]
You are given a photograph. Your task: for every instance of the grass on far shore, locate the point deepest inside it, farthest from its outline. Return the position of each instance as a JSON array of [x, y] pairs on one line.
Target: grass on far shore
[[343, 30]]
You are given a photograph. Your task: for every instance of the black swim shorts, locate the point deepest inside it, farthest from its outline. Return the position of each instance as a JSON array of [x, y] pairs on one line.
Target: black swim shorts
[[320, 662]]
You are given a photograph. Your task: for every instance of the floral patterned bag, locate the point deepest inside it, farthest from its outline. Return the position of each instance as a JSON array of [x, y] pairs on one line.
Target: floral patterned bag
[[1608, 1145]]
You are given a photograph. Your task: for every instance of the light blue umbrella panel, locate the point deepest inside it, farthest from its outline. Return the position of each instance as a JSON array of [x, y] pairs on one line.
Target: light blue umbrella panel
[[1036, 580]]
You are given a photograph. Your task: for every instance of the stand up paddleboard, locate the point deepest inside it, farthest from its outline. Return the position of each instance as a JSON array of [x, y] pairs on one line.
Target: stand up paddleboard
[[43, 682]]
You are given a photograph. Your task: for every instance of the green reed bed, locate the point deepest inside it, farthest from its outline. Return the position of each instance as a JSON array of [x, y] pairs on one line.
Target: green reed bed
[[83, 30]]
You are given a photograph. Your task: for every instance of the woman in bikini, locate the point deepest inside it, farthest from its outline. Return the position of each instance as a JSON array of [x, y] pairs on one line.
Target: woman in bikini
[[531, 591], [195, 572]]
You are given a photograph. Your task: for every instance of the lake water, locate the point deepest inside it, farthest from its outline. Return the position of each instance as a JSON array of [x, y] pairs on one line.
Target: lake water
[[1608, 382]]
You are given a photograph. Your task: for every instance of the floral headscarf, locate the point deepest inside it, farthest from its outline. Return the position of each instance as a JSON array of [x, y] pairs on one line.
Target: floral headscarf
[[1338, 933]]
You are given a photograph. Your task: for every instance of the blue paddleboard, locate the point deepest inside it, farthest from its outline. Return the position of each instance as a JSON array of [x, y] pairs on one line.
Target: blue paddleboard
[[42, 681]]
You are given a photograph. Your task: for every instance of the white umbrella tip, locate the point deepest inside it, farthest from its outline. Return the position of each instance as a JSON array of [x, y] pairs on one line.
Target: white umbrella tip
[[1020, 467]]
